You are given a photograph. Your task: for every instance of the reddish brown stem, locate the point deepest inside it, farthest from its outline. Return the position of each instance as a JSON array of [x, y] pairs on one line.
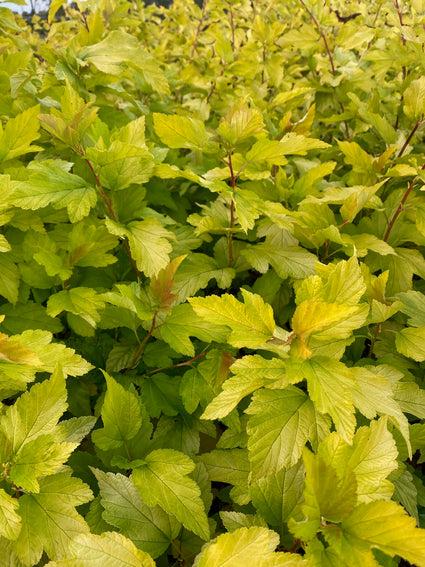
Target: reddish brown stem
[[142, 345], [412, 184], [410, 136], [294, 548], [325, 255], [200, 355], [232, 26], [232, 210], [232, 222], [86, 25], [347, 130], [325, 41], [198, 30], [264, 63], [375, 336], [113, 214], [102, 192], [400, 19], [211, 92], [400, 207]]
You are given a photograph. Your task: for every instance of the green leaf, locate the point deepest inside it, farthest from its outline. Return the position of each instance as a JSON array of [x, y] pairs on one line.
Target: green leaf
[[405, 490], [119, 50], [12, 351], [330, 384], [343, 282], [109, 549], [149, 243], [73, 120], [9, 278], [246, 547], [252, 322], [375, 120], [201, 384], [291, 261], [414, 307], [250, 374], [76, 428], [121, 416], [320, 555], [37, 458], [10, 520], [126, 160], [195, 273], [281, 423], [160, 394], [235, 520], [50, 183], [411, 343], [4, 244], [387, 526], [372, 457], [30, 315], [132, 297], [240, 124], [121, 165], [36, 412], [276, 496], [274, 151], [414, 96], [19, 133], [183, 323], [163, 480], [81, 301], [161, 286], [54, 7], [246, 208], [230, 466], [327, 495], [411, 398], [50, 353], [180, 131], [313, 316], [150, 529], [49, 519], [375, 394]]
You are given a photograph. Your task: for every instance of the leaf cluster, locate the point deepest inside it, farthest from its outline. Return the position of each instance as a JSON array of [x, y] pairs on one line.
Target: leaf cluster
[[212, 284]]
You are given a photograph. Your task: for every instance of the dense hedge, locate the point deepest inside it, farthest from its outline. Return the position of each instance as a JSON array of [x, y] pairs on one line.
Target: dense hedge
[[212, 284]]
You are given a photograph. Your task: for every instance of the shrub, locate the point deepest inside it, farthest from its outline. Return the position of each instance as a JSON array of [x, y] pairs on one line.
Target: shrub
[[212, 284]]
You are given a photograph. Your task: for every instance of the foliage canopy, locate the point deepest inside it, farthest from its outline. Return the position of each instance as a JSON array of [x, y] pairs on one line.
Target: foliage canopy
[[212, 284]]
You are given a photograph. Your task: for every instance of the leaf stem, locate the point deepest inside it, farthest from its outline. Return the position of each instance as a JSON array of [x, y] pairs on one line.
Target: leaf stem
[[101, 190], [412, 184], [264, 62], [212, 89], [410, 136], [403, 39], [142, 345], [325, 255], [330, 57], [400, 207], [232, 209], [86, 25], [325, 41], [198, 30], [200, 355], [232, 26], [373, 341], [111, 212]]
